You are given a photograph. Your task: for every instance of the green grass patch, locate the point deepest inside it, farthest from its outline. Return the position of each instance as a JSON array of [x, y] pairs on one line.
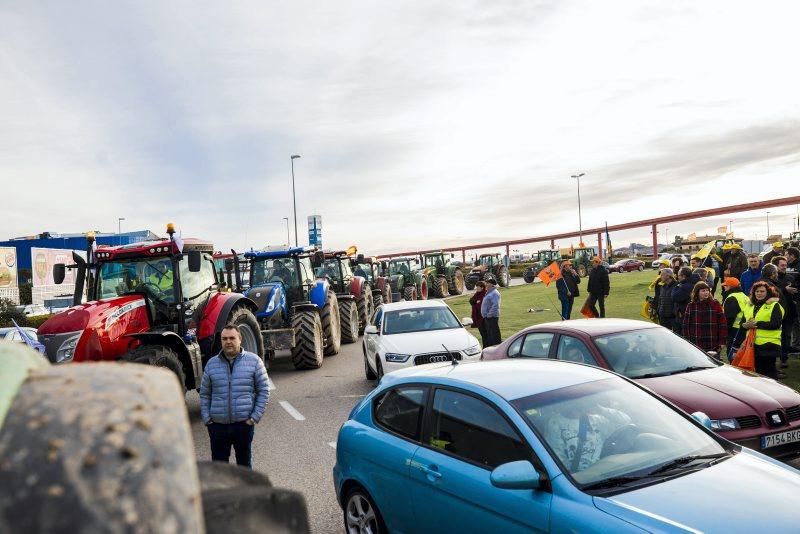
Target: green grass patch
[[628, 291]]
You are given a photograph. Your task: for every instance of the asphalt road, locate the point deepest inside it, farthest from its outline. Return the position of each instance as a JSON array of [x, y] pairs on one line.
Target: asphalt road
[[299, 454]]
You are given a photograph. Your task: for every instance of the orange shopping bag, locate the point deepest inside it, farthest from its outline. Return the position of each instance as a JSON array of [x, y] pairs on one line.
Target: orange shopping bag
[[586, 310], [746, 355]]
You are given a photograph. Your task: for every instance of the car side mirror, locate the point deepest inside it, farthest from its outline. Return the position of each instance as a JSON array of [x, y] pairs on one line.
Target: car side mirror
[[517, 475], [195, 261], [466, 321], [59, 273], [371, 329], [703, 419]]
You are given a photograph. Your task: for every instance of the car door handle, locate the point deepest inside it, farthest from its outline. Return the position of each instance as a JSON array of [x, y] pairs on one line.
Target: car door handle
[[431, 471]]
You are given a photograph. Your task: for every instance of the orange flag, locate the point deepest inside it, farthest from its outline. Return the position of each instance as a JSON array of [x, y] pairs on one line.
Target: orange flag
[[551, 273]]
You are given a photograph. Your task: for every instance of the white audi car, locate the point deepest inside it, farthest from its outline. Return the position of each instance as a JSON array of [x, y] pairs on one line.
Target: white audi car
[[415, 332]]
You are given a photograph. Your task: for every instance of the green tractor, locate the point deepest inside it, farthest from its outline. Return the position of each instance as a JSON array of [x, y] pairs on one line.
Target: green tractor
[[488, 265], [443, 278], [543, 259], [406, 280], [582, 259]]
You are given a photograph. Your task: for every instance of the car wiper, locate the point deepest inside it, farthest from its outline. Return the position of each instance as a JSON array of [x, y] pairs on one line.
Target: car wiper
[[613, 482], [690, 369], [649, 375], [685, 460]]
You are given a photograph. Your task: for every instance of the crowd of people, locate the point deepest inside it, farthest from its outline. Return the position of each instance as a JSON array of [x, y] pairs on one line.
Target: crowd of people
[[757, 294]]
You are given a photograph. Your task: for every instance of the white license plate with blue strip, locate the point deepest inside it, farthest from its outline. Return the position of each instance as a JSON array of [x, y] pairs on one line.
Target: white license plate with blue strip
[[783, 438]]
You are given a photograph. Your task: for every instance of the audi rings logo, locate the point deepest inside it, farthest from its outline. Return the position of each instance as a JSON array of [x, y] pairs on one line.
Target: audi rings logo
[[439, 358]]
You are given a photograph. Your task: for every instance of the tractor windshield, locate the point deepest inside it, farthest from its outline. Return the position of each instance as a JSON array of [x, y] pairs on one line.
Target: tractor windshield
[[364, 270], [486, 260], [331, 269], [400, 267], [151, 275], [434, 261], [280, 270]]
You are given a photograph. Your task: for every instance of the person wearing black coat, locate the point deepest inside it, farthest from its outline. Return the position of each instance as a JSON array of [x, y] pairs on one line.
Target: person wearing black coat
[[598, 286], [567, 287], [682, 294], [665, 310]]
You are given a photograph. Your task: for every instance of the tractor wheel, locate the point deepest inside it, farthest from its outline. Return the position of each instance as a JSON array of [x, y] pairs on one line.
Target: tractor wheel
[[307, 351], [331, 324], [159, 356], [365, 307], [455, 284], [410, 293], [582, 270], [349, 316], [422, 294], [99, 447], [469, 284], [377, 299], [387, 294], [252, 341], [529, 275], [502, 276]]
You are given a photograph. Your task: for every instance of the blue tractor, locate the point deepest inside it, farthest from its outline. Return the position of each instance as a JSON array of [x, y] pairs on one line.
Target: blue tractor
[[296, 310]]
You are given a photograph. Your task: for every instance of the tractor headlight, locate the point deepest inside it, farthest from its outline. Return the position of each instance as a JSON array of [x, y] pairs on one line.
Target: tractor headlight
[[66, 351], [397, 358], [272, 302], [474, 350]]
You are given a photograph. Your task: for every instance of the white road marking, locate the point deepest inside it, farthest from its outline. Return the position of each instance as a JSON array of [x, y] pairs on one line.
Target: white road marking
[[271, 385], [332, 444], [291, 410], [351, 396]]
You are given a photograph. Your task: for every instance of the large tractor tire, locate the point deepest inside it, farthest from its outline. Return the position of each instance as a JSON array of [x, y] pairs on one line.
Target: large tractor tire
[[529, 275], [99, 447], [236, 499], [387, 294], [422, 294], [365, 307], [410, 293], [307, 352], [502, 276], [455, 284], [469, 284], [158, 356], [377, 299], [331, 324], [439, 288], [349, 316], [252, 340], [582, 270]]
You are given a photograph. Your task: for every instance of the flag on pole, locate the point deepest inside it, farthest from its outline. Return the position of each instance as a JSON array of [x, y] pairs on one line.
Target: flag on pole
[[609, 250], [549, 274]]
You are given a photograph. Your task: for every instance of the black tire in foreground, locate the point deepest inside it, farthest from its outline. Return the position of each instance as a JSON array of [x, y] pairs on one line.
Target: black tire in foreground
[[331, 324], [349, 317], [307, 352], [98, 447], [158, 356], [455, 284], [409, 293], [245, 320], [365, 306]]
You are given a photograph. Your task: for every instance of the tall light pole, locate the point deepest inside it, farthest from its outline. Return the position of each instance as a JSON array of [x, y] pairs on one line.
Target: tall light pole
[[767, 226], [580, 223], [730, 227], [288, 240], [666, 236], [119, 229], [294, 199]]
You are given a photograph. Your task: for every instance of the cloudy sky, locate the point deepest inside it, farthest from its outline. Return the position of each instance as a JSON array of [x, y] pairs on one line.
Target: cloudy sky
[[420, 124]]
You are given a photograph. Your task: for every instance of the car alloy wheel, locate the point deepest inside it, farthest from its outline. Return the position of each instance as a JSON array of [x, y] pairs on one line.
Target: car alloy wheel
[[360, 514]]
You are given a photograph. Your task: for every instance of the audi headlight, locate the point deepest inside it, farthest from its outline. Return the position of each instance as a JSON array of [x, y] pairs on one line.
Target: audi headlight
[[722, 425], [474, 350], [273, 301], [66, 351], [397, 358]]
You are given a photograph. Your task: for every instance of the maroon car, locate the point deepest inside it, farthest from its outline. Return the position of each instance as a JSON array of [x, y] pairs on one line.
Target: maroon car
[[626, 266], [744, 407]]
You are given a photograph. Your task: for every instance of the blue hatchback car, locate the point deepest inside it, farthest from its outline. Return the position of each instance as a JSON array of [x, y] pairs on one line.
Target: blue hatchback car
[[543, 445]]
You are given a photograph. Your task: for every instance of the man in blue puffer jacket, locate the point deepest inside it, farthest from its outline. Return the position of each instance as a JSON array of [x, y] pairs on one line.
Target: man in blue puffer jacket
[[233, 395]]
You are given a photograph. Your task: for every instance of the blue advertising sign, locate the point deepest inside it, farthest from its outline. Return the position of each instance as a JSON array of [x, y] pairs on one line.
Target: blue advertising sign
[[315, 231]]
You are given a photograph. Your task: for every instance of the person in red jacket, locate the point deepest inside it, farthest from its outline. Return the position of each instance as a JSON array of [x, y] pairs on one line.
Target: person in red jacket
[[704, 322], [475, 300]]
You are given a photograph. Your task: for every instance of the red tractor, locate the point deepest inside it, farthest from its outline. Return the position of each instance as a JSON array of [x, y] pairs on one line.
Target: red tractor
[[155, 302], [354, 292], [372, 271]]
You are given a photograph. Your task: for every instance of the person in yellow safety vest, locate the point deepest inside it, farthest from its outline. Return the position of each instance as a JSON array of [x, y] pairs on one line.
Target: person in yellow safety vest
[[734, 301], [765, 315], [162, 278]]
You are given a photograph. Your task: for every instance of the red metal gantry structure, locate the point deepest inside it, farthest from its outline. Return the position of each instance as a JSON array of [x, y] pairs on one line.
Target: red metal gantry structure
[[653, 223]]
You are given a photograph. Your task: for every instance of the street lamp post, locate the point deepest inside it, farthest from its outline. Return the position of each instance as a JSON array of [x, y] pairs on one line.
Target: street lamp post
[[288, 239], [580, 223], [119, 229], [767, 225], [294, 199], [666, 236]]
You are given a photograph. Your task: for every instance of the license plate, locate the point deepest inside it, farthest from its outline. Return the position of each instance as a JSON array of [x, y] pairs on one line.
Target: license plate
[[773, 440]]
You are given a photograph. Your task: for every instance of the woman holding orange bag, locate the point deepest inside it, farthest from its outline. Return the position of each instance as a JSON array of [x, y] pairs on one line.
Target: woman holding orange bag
[[704, 322], [765, 317]]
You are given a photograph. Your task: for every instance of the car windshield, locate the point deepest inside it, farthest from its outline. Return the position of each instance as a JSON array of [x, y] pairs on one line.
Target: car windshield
[[610, 429], [651, 352], [400, 267], [419, 320], [281, 270], [151, 275]]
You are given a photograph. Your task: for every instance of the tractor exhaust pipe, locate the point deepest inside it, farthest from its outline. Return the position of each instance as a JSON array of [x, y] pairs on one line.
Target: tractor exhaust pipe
[[237, 272]]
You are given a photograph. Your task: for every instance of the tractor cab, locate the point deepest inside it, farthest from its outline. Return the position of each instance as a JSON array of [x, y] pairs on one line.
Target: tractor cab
[[402, 266], [335, 266], [279, 278], [488, 260]]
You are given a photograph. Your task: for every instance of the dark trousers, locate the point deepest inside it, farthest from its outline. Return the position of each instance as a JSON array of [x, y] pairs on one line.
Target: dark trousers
[[765, 359], [667, 322], [599, 301], [566, 306], [237, 435], [482, 330], [492, 326], [786, 339]]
